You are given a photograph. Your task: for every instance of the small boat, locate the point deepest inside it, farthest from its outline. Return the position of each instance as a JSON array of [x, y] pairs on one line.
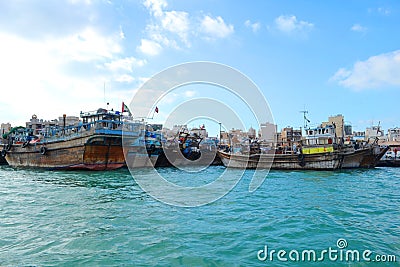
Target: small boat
[[391, 158]]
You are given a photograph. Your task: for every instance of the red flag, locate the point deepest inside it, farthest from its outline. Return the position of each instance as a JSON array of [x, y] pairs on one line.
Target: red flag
[[125, 109], [156, 110]]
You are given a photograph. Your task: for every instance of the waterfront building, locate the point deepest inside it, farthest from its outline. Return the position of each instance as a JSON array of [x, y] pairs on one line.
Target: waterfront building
[[374, 132], [38, 124], [200, 131], [5, 128], [359, 136], [348, 130], [338, 122], [290, 135], [251, 133], [393, 134], [268, 132]]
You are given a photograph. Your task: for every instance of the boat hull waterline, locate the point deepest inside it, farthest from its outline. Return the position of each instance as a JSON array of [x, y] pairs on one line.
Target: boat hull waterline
[[363, 158], [73, 153]]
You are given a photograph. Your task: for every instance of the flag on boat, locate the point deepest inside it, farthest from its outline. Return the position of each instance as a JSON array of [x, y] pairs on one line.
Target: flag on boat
[[156, 110], [125, 109]]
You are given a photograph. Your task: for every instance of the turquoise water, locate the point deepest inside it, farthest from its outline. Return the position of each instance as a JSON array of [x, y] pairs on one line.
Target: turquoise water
[[105, 219]]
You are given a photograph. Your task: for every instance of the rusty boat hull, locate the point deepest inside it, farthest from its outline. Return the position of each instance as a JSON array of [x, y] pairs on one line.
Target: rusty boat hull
[[341, 159], [363, 158], [83, 152], [321, 161]]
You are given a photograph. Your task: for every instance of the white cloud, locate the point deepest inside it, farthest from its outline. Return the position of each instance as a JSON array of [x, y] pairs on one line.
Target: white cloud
[[384, 11], [125, 78], [176, 96], [190, 93], [149, 47], [86, 45], [86, 2], [163, 40], [176, 22], [216, 27], [125, 64], [121, 33], [376, 72], [380, 10], [155, 6], [289, 24], [174, 29], [39, 68], [358, 28], [255, 27], [167, 28]]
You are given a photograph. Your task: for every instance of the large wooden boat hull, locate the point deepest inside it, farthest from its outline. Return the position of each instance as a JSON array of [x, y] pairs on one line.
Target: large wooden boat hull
[[372, 159], [360, 158], [173, 157], [320, 161], [389, 163], [342, 159], [3, 160], [139, 158], [90, 152]]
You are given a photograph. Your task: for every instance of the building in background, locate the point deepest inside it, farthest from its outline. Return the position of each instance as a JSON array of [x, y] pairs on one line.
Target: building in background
[[338, 122], [290, 136], [268, 132], [374, 132], [393, 134], [348, 130], [5, 128], [38, 124], [252, 133]]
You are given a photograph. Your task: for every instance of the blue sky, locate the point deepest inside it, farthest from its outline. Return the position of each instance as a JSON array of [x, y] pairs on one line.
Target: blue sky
[[328, 57]]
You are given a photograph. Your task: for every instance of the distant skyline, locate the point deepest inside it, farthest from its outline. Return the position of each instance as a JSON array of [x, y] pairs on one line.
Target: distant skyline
[[327, 57]]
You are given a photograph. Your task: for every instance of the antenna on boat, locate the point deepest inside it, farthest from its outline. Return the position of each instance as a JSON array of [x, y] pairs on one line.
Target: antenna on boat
[[104, 91], [305, 118], [377, 129]]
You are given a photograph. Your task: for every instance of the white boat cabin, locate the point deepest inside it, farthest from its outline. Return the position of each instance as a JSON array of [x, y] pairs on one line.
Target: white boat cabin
[[320, 135]]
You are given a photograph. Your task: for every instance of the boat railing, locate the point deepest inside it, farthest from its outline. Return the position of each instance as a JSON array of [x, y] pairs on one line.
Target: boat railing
[[57, 133]]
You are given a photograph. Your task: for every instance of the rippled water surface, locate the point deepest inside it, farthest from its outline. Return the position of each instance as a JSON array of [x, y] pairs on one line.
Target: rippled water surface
[[105, 219]]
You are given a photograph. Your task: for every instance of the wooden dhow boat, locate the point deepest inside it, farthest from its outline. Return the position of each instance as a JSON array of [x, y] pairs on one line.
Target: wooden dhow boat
[[94, 143], [321, 151], [317, 161]]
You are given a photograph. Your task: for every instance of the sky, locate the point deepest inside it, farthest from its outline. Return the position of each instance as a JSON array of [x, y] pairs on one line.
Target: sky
[[326, 57]]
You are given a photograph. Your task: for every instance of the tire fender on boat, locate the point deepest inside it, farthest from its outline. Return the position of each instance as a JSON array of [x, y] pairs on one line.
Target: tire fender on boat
[[3, 153], [25, 144], [43, 150], [152, 148], [8, 146], [301, 160]]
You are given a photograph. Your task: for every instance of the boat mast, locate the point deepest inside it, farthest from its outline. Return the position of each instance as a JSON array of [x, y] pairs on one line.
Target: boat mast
[[305, 118]]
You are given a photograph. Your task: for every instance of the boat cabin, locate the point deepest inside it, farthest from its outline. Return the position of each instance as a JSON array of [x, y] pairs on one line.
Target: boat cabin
[[320, 135], [103, 118]]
